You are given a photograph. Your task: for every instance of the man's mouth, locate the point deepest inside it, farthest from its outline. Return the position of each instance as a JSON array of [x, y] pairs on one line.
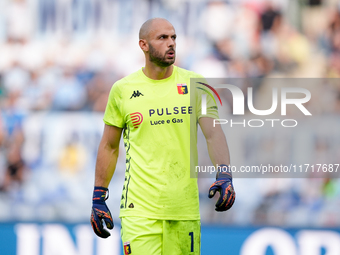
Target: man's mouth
[[171, 53]]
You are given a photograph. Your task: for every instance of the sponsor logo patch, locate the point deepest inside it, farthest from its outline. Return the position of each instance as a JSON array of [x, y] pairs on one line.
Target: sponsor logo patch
[[136, 118]]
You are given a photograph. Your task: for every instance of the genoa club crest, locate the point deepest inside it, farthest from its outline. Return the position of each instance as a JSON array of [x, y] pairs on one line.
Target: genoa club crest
[[182, 88], [127, 248]]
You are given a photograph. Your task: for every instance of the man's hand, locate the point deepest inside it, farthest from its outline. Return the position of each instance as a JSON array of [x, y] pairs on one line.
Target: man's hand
[[100, 212], [224, 185]]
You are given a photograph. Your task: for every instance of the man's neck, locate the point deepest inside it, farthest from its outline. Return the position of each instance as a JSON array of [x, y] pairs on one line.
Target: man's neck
[[156, 72]]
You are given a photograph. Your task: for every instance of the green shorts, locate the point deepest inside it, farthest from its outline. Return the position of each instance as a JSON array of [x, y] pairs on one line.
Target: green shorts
[[142, 236]]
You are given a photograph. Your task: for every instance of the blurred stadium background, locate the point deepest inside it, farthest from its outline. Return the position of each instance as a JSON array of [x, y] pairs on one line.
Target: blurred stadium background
[[58, 61]]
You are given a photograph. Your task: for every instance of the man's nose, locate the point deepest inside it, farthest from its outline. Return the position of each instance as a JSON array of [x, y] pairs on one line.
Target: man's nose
[[171, 43]]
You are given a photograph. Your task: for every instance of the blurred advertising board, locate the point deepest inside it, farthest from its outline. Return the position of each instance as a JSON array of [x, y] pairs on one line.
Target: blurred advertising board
[[79, 239]]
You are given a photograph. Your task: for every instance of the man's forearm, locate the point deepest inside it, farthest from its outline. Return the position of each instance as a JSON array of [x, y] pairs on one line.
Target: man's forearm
[[216, 141], [106, 164], [218, 149]]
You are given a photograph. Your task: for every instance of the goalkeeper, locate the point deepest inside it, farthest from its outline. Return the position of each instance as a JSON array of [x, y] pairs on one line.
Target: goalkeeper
[[159, 207]]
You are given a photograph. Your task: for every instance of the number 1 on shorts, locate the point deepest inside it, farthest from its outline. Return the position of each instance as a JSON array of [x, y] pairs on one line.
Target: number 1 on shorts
[[192, 241]]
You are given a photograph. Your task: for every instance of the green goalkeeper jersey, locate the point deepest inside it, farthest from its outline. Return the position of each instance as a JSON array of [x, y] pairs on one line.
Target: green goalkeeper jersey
[[158, 119]]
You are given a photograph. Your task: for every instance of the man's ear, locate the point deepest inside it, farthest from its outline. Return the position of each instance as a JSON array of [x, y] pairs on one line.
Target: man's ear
[[143, 44]]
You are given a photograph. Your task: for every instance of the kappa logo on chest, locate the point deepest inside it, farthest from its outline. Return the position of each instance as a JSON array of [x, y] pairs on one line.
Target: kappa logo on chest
[[136, 93]]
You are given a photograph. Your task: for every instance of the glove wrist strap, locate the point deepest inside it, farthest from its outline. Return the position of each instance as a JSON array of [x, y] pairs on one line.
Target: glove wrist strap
[[223, 171], [100, 194]]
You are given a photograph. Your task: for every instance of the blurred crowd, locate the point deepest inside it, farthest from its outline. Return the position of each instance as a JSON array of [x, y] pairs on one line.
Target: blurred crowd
[[59, 59]]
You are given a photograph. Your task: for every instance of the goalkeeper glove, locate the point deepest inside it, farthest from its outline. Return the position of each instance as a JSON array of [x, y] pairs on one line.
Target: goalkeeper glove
[[224, 185], [100, 212]]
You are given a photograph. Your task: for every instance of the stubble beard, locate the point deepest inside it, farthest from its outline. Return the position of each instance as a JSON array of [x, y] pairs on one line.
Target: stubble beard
[[157, 58]]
